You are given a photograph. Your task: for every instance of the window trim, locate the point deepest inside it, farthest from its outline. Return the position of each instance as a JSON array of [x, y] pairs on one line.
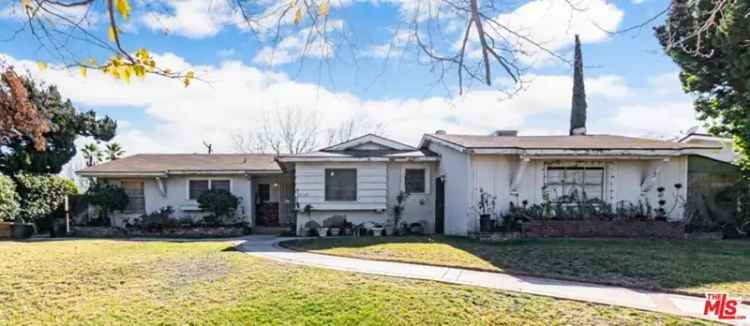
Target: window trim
[[356, 185], [426, 178], [187, 185], [143, 194], [258, 192], [578, 166]]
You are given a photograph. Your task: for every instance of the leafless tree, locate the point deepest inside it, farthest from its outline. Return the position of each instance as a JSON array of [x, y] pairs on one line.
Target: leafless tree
[[351, 128], [283, 131]]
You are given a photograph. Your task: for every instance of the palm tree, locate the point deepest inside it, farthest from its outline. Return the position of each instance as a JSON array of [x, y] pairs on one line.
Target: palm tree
[[91, 154], [114, 151]]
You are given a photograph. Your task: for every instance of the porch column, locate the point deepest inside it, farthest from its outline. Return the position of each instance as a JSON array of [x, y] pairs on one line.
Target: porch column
[[251, 200]]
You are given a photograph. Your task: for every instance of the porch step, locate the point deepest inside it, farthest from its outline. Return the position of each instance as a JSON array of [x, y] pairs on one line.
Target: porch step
[[275, 230]]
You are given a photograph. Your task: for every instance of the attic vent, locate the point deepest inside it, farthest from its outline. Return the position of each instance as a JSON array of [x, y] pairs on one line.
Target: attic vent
[[505, 133], [440, 132]]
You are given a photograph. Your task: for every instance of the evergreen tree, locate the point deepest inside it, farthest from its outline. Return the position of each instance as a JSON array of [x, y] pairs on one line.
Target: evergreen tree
[[578, 110]]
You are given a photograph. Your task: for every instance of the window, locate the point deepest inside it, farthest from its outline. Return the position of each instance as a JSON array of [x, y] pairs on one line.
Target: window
[[341, 184], [136, 199], [568, 184], [264, 192], [197, 187], [221, 184], [415, 181]]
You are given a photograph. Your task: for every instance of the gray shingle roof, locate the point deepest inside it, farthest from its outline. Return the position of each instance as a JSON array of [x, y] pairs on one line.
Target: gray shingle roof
[[564, 142], [164, 163]]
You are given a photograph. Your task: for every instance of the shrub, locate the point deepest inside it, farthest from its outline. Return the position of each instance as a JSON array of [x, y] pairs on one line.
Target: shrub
[[158, 219], [40, 195], [9, 205], [220, 203], [108, 198]]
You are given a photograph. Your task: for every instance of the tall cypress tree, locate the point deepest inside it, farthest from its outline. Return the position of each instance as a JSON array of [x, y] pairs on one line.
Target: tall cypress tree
[[578, 110]]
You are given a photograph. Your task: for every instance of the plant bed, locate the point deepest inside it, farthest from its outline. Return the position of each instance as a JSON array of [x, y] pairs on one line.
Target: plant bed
[[606, 229], [16, 230], [191, 232], [97, 232], [169, 232]]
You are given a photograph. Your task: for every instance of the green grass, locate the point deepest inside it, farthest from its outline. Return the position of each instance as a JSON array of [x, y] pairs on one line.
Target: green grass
[[99, 282], [689, 266]]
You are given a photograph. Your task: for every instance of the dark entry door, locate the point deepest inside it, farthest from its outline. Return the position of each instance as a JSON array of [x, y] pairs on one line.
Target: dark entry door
[[439, 205]]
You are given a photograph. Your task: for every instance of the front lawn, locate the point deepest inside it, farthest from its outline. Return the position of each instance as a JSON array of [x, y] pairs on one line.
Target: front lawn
[[98, 282], [691, 266]]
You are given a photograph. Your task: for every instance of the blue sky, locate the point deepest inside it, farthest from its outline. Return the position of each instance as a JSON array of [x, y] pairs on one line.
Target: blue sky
[[632, 86]]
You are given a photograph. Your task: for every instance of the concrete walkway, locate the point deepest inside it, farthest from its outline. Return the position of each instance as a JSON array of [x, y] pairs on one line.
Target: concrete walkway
[[267, 247]]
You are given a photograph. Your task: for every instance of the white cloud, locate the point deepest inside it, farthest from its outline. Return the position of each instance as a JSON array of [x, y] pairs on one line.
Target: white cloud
[[308, 42], [661, 109], [236, 96], [192, 18], [553, 23]]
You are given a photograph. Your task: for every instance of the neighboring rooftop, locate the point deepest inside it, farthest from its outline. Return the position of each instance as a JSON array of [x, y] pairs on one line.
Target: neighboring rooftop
[[176, 163], [584, 142]]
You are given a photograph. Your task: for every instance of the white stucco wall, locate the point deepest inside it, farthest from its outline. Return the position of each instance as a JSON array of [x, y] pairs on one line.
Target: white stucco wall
[[177, 196], [455, 168], [466, 174]]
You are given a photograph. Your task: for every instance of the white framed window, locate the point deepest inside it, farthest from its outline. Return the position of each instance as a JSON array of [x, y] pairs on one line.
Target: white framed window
[[341, 184], [569, 183], [195, 187], [136, 197], [415, 179]]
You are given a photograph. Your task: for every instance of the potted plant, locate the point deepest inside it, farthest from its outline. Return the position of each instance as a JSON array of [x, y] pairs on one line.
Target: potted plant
[[334, 224], [335, 231], [347, 228], [375, 228], [398, 212], [485, 207]]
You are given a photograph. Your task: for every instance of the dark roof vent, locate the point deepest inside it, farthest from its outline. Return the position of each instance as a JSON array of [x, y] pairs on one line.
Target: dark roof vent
[[505, 133], [440, 132]]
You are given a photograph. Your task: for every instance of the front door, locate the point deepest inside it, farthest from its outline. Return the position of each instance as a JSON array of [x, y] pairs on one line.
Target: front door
[[439, 205]]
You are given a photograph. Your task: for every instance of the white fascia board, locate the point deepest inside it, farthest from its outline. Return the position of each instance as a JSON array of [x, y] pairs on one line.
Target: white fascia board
[[416, 159], [369, 138], [578, 153], [329, 159], [426, 139], [120, 174], [224, 172]]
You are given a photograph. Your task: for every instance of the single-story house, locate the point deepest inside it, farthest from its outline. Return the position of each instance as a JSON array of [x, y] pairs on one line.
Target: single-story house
[[153, 181], [360, 179]]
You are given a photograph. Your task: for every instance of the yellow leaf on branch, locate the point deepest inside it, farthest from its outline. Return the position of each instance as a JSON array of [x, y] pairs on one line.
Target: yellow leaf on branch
[[123, 7], [42, 66], [188, 77], [298, 16], [27, 4], [111, 34], [324, 8], [84, 72]]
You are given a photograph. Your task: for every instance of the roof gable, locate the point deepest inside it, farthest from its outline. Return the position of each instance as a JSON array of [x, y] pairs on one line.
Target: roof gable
[[369, 142]]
